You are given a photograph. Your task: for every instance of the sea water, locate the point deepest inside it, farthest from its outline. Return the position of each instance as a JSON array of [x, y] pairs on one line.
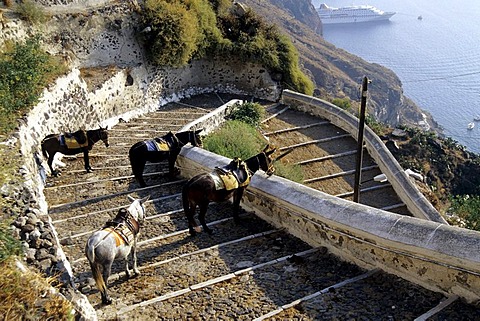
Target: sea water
[[434, 48]]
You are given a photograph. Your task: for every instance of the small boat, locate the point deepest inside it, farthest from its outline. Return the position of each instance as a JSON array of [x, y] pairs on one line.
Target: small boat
[[419, 17], [470, 125], [476, 118]]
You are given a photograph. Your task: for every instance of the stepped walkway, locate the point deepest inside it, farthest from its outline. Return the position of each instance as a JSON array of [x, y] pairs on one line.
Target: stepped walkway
[[246, 271]]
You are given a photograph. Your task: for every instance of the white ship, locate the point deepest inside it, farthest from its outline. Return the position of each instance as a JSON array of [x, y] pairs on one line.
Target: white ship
[[351, 14]]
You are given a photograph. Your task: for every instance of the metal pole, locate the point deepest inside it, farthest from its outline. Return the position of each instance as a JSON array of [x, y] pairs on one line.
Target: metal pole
[[361, 127]]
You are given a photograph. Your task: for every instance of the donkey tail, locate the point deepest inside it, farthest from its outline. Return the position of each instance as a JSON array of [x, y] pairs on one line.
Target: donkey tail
[[44, 150], [96, 271], [186, 203]]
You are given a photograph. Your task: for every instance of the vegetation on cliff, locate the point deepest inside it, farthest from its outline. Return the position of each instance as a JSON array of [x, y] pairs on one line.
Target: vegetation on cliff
[[26, 69], [178, 31], [451, 173], [26, 295]]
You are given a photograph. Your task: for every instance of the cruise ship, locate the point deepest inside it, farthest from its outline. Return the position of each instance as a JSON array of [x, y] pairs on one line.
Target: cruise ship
[[351, 14]]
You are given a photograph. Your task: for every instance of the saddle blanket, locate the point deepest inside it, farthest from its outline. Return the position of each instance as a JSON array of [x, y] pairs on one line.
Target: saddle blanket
[[71, 142], [121, 233], [226, 181], [155, 146]]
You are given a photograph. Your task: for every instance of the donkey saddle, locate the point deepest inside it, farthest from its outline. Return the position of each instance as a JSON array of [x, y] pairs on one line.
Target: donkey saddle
[[124, 225], [231, 176], [76, 139]]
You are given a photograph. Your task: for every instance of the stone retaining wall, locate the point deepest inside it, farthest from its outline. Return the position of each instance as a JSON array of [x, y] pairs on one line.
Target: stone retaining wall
[[415, 201], [437, 256]]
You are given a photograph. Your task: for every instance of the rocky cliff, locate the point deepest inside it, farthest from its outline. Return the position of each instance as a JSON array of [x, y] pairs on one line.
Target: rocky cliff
[[338, 73]]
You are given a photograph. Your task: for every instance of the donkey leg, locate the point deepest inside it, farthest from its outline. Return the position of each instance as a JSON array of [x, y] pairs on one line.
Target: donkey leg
[[201, 217], [138, 168], [192, 225], [50, 164], [100, 281], [136, 271], [172, 170], [107, 268], [87, 162], [237, 197], [128, 272], [100, 275]]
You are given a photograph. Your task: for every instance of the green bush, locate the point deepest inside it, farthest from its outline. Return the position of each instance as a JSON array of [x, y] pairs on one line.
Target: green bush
[[175, 32], [378, 127], [26, 69], [250, 113], [292, 172], [343, 103], [194, 29], [209, 36], [220, 7], [235, 139], [239, 139], [467, 208]]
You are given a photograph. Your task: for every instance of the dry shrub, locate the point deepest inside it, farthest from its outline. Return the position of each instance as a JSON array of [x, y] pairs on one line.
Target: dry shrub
[[26, 295], [8, 3]]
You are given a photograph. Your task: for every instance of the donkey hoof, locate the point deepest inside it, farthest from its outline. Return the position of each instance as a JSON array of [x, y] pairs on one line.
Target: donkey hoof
[[136, 272], [209, 231], [107, 301]]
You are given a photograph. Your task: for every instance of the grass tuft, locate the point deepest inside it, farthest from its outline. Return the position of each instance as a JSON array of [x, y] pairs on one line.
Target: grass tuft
[[26, 295], [239, 139]]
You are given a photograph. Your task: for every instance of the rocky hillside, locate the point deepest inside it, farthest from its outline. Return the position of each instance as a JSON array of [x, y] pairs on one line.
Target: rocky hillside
[[449, 169], [338, 73]]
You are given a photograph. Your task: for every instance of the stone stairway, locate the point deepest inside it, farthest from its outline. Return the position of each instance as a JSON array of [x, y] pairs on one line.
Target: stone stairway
[[245, 271]]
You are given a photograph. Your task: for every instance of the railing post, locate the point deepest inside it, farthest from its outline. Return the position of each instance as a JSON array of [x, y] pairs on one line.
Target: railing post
[[361, 127]]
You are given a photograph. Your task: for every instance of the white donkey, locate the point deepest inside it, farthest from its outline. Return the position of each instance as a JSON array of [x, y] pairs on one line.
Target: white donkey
[[115, 241]]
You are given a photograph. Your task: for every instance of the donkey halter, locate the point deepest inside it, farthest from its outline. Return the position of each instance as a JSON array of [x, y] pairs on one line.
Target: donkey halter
[[194, 138], [270, 169]]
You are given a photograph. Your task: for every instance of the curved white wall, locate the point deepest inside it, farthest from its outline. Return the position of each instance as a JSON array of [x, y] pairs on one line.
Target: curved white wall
[[437, 256]]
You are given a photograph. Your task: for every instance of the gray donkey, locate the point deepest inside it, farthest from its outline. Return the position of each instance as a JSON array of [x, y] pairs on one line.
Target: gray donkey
[[115, 240]]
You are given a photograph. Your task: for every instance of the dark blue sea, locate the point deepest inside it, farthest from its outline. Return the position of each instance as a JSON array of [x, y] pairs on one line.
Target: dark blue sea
[[437, 58]]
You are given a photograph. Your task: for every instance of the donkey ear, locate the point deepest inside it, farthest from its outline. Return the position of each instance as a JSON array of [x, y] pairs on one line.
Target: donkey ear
[[271, 152], [199, 130], [143, 200], [130, 197], [266, 148]]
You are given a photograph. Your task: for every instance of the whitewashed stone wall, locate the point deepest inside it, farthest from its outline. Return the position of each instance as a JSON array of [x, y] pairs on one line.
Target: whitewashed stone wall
[[69, 105], [437, 256]]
